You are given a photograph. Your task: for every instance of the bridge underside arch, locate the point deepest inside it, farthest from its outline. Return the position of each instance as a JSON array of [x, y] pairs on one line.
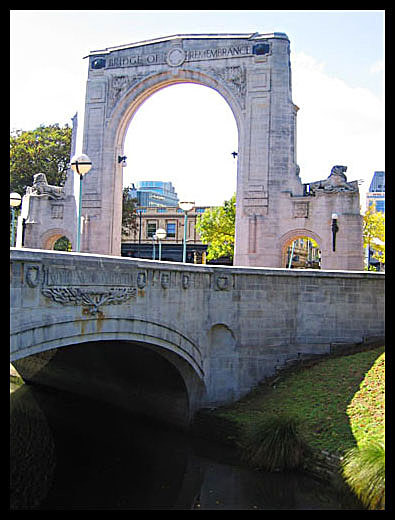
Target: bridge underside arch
[[135, 369]]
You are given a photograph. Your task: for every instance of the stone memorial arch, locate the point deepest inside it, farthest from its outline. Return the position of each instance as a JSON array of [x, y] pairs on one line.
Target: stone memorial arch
[[253, 74]]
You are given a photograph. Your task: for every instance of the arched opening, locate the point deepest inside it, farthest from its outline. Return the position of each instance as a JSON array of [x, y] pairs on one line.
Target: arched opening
[[138, 377], [178, 146], [62, 244], [301, 250], [56, 239]]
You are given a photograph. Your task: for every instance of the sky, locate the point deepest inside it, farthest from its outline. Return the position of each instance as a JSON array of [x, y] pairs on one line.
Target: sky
[[337, 61]]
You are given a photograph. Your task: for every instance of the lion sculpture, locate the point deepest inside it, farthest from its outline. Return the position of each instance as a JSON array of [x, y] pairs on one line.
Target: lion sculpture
[[42, 188], [337, 181]]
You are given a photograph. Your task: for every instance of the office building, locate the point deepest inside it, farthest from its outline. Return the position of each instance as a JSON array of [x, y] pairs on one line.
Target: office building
[[154, 194], [376, 194]]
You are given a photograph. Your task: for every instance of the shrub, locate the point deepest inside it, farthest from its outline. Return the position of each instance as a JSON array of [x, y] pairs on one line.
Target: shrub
[[274, 444], [364, 471]]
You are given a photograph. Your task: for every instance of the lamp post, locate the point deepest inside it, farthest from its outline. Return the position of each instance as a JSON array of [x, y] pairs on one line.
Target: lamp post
[[335, 229], [15, 201], [81, 164], [153, 246], [185, 206], [160, 235]]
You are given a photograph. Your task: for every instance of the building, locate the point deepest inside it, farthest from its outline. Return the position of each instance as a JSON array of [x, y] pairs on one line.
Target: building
[[154, 194], [376, 197], [303, 253], [376, 193], [142, 242]]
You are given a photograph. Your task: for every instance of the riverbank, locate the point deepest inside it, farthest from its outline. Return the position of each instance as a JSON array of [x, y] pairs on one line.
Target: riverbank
[[334, 401]]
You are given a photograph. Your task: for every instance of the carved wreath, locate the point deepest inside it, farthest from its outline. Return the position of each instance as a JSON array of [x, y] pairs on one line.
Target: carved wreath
[[91, 298]]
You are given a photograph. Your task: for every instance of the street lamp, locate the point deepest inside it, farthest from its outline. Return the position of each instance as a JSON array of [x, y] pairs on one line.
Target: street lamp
[[15, 201], [160, 235], [153, 246], [335, 229], [185, 206], [81, 164]]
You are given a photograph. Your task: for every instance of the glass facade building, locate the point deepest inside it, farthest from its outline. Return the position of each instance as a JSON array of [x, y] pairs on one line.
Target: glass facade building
[[376, 194], [154, 194]]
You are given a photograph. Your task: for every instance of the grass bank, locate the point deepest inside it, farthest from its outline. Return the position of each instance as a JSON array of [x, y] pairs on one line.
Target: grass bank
[[336, 403]]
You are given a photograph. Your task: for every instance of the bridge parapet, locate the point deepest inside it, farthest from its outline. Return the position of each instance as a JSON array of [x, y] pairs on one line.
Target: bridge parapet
[[232, 325]]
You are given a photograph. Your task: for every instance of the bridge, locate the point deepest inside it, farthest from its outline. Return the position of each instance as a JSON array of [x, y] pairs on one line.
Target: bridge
[[170, 338]]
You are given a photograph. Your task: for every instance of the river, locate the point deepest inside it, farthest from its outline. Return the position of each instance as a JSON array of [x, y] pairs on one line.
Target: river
[[72, 453]]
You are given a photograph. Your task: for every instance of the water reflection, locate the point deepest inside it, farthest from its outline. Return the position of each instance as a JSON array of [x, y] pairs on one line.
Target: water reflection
[[69, 452]]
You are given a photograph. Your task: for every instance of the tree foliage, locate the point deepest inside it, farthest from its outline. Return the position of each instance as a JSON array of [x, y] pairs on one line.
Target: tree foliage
[[216, 227], [43, 150], [374, 232], [129, 214]]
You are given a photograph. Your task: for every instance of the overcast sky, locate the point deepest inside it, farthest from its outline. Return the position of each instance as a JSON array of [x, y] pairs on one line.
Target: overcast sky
[[337, 60]]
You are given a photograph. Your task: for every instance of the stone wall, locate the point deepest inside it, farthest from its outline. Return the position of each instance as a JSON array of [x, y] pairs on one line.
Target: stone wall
[[228, 327]]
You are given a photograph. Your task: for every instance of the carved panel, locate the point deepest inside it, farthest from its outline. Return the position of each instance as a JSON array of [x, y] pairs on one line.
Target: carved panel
[[235, 78], [301, 210], [121, 84], [57, 211], [223, 282], [165, 280], [92, 298], [32, 275]]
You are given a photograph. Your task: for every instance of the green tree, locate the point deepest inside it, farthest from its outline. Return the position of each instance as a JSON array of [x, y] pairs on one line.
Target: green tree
[[216, 228], [62, 244], [374, 232], [43, 150], [129, 214]]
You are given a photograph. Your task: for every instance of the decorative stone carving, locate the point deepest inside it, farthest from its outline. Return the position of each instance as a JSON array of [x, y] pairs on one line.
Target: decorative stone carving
[[252, 211], [165, 280], [301, 209], [42, 188], [175, 57], [32, 275], [185, 281], [57, 211], [236, 79], [120, 84], [337, 181], [141, 280], [88, 297], [222, 283]]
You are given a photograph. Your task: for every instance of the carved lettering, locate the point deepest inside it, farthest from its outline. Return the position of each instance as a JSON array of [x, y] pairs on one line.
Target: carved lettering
[[78, 277], [135, 60]]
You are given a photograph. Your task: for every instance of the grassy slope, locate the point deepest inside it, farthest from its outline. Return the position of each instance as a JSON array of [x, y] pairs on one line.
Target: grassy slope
[[338, 401]]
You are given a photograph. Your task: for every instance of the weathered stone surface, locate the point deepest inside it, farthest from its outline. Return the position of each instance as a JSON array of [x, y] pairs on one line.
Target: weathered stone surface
[[228, 329], [253, 74]]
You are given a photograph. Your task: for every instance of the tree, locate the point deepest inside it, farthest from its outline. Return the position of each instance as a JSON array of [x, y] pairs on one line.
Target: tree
[[43, 150], [129, 214], [374, 232], [216, 227]]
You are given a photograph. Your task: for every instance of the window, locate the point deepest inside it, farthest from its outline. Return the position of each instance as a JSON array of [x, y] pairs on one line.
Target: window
[[380, 206], [171, 229], [151, 229]]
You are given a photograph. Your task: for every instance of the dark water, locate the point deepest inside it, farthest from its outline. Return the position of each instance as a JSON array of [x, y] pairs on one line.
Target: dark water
[[69, 452]]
